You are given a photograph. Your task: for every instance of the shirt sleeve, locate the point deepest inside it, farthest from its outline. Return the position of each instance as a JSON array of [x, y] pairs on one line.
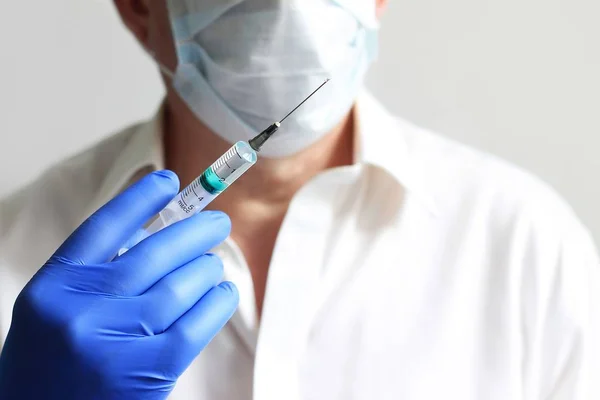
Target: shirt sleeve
[[562, 322]]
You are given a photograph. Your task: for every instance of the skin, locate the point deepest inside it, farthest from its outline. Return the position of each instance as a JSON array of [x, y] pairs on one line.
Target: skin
[[258, 203]]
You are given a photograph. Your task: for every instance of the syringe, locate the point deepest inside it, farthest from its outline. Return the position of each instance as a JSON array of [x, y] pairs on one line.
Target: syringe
[[214, 181]]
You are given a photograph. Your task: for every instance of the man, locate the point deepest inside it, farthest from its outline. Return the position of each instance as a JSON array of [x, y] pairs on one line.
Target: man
[[373, 259]]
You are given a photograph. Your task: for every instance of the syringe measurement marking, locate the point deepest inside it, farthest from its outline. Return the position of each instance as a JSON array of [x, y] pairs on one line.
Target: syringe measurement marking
[[188, 191], [194, 190], [183, 198], [232, 171]]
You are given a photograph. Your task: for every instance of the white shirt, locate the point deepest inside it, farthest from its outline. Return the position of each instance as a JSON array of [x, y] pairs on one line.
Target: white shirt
[[427, 270]]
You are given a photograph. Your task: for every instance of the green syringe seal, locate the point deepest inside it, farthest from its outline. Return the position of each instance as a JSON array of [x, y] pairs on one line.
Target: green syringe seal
[[211, 182]]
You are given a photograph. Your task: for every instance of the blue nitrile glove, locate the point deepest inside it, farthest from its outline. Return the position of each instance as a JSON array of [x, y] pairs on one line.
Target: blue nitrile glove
[[88, 328]]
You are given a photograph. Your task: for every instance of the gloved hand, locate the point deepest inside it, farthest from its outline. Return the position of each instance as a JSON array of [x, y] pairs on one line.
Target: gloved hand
[[86, 327]]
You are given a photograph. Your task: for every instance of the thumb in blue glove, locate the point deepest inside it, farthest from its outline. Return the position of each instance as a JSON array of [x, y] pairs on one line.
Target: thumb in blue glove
[[88, 327]]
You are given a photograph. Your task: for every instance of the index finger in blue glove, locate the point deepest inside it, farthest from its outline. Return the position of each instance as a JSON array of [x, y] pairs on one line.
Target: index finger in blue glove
[[99, 238], [165, 251]]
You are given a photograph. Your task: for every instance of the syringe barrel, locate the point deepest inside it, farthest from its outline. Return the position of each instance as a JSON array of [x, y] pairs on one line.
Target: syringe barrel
[[203, 190], [208, 186]]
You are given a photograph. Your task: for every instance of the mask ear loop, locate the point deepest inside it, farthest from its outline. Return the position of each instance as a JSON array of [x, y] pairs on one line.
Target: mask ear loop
[[164, 69]]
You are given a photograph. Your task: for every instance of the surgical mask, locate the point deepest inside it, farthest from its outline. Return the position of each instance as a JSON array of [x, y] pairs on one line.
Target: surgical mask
[[243, 64]]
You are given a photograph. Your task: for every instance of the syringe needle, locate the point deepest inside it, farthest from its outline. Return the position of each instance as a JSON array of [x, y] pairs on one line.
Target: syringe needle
[[262, 137], [304, 101]]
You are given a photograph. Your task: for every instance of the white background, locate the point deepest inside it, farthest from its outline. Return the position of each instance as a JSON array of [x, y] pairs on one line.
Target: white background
[[518, 78]]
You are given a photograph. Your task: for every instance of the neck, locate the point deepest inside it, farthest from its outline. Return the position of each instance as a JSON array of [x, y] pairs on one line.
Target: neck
[[190, 147], [258, 201]]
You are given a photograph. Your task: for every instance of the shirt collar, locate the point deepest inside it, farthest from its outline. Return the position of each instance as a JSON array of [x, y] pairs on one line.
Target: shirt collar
[[143, 149], [381, 142]]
